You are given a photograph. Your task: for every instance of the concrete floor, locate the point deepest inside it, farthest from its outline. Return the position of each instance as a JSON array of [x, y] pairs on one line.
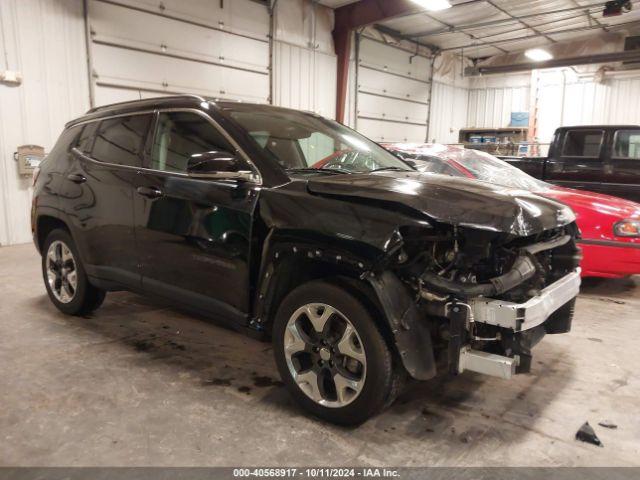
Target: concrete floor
[[140, 383]]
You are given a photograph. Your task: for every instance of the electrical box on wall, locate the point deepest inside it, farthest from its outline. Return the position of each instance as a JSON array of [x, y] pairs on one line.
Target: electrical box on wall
[[29, 158], [10, 77]]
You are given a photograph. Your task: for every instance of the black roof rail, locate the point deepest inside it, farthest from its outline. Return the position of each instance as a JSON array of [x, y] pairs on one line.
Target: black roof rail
[[134, 102]]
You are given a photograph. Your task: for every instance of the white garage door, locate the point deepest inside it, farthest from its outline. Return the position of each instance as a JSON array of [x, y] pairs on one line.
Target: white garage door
[[393, 93], [217, 49]]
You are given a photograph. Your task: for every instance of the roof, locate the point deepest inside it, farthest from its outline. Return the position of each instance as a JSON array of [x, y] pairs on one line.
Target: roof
[[175, 101], [259, 107]]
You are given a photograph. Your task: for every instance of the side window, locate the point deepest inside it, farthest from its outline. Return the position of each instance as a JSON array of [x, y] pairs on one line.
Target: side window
[[88, 135], [627, 144], [181, 135], [121, 140], [582, 143]]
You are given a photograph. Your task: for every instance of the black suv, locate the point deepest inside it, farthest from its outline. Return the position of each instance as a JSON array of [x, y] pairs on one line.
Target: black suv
[[282, 223]]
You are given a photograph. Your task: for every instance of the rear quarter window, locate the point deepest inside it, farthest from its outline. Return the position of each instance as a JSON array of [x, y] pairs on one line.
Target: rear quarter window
[[120, 141], [583, 143], [66, 141], [87, 137]]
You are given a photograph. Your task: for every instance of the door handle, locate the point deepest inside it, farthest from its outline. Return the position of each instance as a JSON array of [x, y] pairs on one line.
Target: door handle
[[149, 192], [76, 178]]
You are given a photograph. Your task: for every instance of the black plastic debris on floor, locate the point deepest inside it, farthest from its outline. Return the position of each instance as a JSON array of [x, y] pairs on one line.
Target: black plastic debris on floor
[[588, 435], [608, 424]]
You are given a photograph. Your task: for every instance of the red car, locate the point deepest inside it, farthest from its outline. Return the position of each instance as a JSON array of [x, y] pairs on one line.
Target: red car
[[610, 226]]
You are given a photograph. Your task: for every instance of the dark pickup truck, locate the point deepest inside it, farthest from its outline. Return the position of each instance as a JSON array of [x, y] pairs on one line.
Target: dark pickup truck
[[604, 159]]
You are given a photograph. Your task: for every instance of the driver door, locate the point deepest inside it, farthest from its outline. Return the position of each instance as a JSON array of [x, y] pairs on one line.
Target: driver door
[[193, 235]]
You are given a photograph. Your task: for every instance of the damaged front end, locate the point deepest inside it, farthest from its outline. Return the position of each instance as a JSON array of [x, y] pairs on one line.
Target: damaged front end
[[463, 271], [490, 297]]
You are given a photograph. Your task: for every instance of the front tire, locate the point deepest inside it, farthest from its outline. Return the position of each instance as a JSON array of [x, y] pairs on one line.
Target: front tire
[[331, 355], [65, 278]]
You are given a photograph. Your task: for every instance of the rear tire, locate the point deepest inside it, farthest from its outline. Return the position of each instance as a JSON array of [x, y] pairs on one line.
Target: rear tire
[[331, 355], [65, 278]]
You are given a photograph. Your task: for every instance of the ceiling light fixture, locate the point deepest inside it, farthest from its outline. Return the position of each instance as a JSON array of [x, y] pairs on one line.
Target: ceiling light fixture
[[433, 5], [538, 55]]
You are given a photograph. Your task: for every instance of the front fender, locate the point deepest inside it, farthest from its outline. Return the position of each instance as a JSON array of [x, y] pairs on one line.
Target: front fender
[[410, 332], [282, 255]]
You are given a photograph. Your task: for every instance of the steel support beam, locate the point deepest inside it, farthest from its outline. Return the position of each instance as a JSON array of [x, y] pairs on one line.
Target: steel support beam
[[342, 43], [366, 12], [354, 16], [611, 27], [629, 56]]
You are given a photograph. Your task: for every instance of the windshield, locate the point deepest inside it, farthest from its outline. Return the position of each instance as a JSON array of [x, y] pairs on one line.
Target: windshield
[[463, 162], [303, 141]]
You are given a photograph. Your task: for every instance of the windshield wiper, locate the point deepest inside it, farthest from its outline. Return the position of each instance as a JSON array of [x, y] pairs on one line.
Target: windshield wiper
[[397, 169], [333, 171]]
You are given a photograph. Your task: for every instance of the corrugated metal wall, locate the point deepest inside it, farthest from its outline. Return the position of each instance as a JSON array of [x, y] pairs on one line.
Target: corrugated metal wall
[[304, 79], [492, 107], [304, 74], [45, 41], [449, 107], [565, 98]]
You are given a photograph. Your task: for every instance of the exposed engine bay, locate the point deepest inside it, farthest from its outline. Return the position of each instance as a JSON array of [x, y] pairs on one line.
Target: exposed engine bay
[[490, 297]]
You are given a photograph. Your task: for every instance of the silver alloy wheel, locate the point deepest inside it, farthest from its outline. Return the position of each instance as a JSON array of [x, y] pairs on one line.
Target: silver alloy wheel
[[62, 273], [325, 355]]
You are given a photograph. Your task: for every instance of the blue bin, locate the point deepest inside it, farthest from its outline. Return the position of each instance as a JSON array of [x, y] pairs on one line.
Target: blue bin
[[519, 119]]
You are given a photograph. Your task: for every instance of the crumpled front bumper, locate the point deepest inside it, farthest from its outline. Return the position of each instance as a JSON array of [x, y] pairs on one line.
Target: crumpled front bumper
[[520, 318], [524, 316]]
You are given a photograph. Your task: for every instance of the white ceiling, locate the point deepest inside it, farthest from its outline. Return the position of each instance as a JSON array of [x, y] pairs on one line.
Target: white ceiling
[[509, 25]]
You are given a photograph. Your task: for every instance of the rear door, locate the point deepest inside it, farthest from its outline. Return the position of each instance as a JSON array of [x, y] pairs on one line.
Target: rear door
[[622, 170], [98, 193], [193, 235], [577, 161]]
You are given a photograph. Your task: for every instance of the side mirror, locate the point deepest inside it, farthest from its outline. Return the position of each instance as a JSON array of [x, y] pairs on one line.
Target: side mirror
[[218, 165]]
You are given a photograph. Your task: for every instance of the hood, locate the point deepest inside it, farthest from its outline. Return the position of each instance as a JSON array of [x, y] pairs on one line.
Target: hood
[[452, 200]]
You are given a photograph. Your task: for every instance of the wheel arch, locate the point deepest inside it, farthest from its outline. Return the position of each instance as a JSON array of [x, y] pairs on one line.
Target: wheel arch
[[45, 224], [287, 263], [290, 268]]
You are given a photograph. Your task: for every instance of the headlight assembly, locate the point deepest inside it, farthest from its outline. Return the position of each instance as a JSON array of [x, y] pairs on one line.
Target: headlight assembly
[[627, 228]]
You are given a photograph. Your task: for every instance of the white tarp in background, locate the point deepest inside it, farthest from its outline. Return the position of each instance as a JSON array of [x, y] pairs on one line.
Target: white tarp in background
[[304, 75], [305, 24]]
